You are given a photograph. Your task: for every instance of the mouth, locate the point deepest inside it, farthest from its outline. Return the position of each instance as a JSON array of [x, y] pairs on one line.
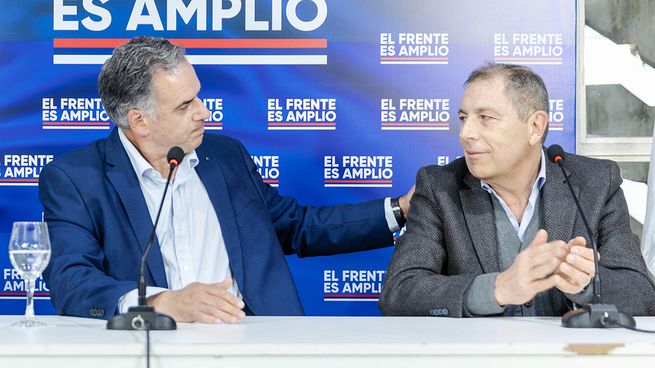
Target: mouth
[[472, 154]]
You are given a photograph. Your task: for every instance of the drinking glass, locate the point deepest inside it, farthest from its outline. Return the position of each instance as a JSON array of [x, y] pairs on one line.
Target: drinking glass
[[29, 252]]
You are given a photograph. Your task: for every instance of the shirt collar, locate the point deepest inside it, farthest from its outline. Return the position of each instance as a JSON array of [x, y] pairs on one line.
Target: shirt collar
[[143, 168], [538, 184]]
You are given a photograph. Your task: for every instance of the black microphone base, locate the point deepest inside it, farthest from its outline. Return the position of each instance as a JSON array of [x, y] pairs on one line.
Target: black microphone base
[[597, 316], [137, 318]]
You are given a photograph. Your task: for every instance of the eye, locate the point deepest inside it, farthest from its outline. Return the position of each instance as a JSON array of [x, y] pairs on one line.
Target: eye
[[462, 118], [486, 117]]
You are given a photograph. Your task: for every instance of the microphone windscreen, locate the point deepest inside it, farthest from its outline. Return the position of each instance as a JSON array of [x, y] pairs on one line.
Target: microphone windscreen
[[555, 151], [175, 154]]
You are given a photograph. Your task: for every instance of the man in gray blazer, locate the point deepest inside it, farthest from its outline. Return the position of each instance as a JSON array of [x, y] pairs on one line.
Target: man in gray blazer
[[497, 231]]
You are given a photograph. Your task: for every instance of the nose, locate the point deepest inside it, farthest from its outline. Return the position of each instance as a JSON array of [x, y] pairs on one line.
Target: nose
[[467, 130], [202, 112]]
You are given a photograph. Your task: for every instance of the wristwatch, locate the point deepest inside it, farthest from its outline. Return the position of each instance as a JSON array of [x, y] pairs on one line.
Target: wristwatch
[[398, 212]]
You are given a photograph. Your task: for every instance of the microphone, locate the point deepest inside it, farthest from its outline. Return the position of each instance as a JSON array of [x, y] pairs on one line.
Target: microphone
[[596, 314], [143, 316]]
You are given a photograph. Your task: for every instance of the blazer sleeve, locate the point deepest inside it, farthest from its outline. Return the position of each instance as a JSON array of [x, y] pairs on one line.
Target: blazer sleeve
[[415, 283], [314, 231], [75, 276], [625, 280]]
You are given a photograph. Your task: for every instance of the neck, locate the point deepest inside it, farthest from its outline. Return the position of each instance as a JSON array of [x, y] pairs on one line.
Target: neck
[[515, 188], [155, 158]]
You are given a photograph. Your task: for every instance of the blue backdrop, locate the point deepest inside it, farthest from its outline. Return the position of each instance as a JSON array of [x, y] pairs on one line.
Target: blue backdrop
[[338, 101]]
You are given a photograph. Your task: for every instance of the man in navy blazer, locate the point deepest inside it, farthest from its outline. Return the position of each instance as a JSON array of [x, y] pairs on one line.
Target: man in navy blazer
[[228, 256]]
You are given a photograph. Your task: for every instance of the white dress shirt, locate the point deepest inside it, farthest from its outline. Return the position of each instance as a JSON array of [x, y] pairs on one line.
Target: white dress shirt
[[528, 212], [189, 234]]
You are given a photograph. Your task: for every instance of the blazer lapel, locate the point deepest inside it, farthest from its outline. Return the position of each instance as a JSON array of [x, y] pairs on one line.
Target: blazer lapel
[[559, 208], [121, 174], [212, 176], [479, 215]]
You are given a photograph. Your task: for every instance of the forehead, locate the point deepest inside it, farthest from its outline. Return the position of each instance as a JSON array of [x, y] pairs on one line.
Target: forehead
[[176, 85], [484, 93]]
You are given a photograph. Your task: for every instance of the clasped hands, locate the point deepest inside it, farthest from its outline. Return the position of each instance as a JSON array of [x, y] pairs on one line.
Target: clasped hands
[[542, 265]]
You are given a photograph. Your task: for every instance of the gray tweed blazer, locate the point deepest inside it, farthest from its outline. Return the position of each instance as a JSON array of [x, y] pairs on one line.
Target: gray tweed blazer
[[451, 238]]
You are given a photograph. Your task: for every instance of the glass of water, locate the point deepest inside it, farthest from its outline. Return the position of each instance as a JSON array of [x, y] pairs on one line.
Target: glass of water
[[29, 252]]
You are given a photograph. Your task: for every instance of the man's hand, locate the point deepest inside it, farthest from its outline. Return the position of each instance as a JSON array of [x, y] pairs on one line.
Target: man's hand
[[533, 271], [207, 303], [403, 201], [578, 268]]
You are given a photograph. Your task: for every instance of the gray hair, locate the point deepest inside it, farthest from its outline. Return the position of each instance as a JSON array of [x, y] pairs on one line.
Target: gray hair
[[125, 81], [524, 88]]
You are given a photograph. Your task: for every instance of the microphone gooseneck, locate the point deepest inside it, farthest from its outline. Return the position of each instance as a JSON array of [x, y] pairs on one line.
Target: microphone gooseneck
[[556, 155], [174, 157], [596, 314], [143, 316]]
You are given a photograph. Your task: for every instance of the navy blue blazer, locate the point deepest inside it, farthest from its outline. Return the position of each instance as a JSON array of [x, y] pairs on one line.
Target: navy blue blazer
[[99, 225]]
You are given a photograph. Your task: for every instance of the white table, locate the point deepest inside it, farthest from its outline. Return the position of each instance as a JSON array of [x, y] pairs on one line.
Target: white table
[[312, 342]]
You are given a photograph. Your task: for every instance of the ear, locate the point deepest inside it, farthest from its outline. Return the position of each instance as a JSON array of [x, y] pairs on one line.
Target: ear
[[138, 122], [538, 123]]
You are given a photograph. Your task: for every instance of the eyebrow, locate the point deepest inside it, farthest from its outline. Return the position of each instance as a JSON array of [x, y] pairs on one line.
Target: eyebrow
[[480, 110], [188, 101]]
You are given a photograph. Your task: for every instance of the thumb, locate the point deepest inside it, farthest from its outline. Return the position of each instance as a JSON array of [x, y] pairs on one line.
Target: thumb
[[540, 238], [226, 283]]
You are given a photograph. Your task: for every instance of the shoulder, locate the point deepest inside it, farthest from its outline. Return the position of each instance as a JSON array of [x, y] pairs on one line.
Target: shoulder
[[222, 145], [588, 168], [83, 158], [447, 177], [215, 140], [587, 164], [592, 174]]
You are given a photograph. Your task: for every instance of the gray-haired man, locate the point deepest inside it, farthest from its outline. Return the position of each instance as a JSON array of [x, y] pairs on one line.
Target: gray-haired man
[[497, 232], [223, 234]]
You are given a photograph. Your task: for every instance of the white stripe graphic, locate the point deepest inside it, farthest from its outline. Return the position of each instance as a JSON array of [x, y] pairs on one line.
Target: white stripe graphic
[[210, 59]]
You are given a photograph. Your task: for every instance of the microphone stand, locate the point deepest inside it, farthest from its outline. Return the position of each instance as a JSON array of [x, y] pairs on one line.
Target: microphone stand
[[596, 314], [143, 316]]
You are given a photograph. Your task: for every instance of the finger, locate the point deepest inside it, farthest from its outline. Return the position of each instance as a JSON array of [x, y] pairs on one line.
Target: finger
[[578, 241], [584, 265], [545, 284], [544, 269], [229, 308], [552, 255], [555, 248], [540, 238], [223, 311], [206, 314], [574, 275], [584, 252], [567, 286], [224, 295]]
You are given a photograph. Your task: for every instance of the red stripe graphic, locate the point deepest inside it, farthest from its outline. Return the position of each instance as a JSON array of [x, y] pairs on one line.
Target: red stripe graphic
[[22, 293], [19, 180], [202, 43]]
